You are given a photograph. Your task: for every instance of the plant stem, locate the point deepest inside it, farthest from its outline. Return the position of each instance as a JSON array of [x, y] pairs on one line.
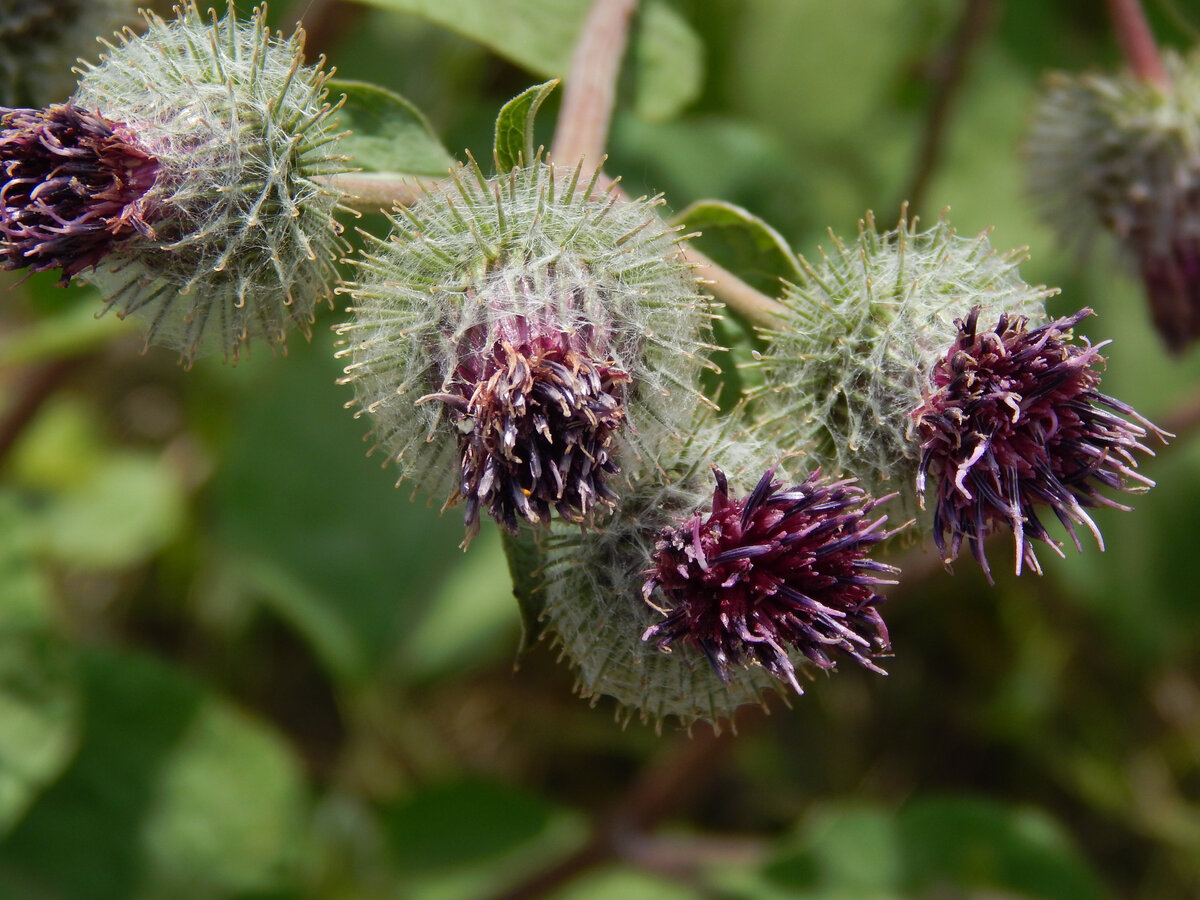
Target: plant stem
[[1137, 41], [752, 305], [948, 75], [676, 775], [591, 86], [369, 192]]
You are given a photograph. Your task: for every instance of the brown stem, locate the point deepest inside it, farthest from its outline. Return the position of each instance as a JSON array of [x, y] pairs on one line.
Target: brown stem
[[1137, 41], [673, 777], [948, 76], [590, 92]]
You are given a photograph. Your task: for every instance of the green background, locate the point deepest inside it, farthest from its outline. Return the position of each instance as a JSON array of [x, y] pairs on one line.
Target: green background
[[236, 663]]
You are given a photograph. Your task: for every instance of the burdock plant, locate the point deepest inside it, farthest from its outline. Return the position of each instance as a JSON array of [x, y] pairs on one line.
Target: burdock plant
[[233, 237], [518, 340], [1117, 153], [888, 366]]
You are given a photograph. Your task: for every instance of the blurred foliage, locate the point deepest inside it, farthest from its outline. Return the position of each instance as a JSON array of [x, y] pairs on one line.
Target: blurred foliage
[[236, 663]]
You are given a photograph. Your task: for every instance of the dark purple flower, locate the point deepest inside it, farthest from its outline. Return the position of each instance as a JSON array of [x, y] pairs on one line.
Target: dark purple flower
[[74, 186], [783, 569], [1013, 421], [536, 418]]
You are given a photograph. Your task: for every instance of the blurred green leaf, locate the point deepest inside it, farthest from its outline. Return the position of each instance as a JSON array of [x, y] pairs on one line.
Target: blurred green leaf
[[39, 711], [974, 843], [172, 794], [540, 35], [472, 609], [296, 489], [70, 329], [460, 823], [226, 810], [39, 708], [389, 134], [131, 506], [615, 883], [741, 242], [848, 850], [514, 127]]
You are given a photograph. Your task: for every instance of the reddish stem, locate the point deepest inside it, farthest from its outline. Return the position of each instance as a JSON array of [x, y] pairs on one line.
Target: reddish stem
[[1137, 41], [591, 86]]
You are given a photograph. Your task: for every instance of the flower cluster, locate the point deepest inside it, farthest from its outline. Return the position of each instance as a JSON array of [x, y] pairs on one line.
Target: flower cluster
[[531, 345], [781, 571], [75, 186], [1013, 422]]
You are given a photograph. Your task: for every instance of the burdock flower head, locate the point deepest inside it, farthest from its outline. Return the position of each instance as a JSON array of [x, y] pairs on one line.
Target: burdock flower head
[[780, 572], [888, 368], [74, 188], [517, 340], [1014, 421], [198, 147], [1118, 153], [749, 592]]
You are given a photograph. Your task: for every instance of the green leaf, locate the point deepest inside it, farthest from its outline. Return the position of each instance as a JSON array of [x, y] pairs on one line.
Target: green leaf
[[514, 127], [131, 507], [356, 550], [459, 823], [540, 35], [974, 843], [389, 134], [40, 711], [470, 612], [39, 704], [743, 243], [173, 793]]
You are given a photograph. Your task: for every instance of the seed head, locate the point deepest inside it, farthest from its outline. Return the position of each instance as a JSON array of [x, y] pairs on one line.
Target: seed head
[[1013, 421], [74, 188], [518, 340], [244, 235], [781, 571], [1116, 153]]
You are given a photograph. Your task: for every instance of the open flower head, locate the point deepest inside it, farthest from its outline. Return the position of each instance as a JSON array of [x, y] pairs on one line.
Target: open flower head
[[673, 657], [883, 371], [1014, 425], [779, 572], [241, 238], [848, 364], [519, 340], [74, 187], [1116, 153]]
